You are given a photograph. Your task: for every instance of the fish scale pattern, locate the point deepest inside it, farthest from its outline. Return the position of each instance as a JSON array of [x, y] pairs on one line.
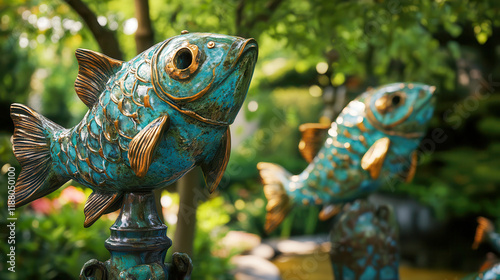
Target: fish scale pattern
[[99, 143], [335, 172], [372, 142]]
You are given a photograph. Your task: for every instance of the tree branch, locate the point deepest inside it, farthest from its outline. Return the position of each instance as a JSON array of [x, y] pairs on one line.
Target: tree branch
[[271, 7], [239, 15], [105, 38], [173, 17], [144, 36]]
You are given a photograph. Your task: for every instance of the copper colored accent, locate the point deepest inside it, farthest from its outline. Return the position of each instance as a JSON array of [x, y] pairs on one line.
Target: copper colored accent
[[94, 71], [328, 212], [484, 225], [120, 107], [211, 44], [214, 170], [348, 146], [330, 174], [143, 146], [278, 201], [413, 167], [385, 128], [362, 126], [184, 32], [87, 160], [313, 135], [373, 159], [181, 74], [32, 149], [347, 133], [362, 139], [146, 102], [96, 206], [382, 104]]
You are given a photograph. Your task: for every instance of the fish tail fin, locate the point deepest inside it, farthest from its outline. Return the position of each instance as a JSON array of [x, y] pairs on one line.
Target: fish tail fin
[[31, 146], [275, 178]]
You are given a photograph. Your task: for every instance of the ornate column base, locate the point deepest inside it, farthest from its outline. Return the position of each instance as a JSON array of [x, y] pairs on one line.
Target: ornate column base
[[138, 245], [365, 241]]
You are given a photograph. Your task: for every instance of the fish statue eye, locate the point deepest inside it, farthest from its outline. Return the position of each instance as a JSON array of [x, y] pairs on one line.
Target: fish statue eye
[[388, 103], [401, 108], [396, 99], [183, 63]]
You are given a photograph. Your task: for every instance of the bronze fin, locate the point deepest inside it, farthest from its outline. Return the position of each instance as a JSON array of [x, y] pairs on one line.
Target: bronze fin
[[214, 169], [373, 160], [143, 145], [413, 167], [31, 145], [313, 137], [98, 204], [94, 71], [278, 201], [329, 211]]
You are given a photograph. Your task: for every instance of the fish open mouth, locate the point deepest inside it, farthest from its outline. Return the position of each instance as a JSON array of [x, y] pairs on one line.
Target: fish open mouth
[[234, 84]]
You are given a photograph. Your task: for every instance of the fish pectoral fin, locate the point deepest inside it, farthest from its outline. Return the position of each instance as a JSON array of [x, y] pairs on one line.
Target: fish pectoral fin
[[329, 211], [144, 144], [98, 204], [410, 173], [313, 137], [373, 160], [94, 71], [214, 169]]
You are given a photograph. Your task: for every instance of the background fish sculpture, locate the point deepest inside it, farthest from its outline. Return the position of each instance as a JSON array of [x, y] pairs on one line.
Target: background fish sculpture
[[373, 140], [150, 120]]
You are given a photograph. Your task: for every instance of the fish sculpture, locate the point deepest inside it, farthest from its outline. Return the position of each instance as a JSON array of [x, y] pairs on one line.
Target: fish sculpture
[[150, 120], [365, 242], [373, 141]]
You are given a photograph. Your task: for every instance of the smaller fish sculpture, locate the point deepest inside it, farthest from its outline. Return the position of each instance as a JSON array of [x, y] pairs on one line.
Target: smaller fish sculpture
[[365, 242], [372, 141], [150, 120]]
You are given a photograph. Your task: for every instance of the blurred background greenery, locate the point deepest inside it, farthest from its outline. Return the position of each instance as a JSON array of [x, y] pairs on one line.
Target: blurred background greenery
[[315, 56]]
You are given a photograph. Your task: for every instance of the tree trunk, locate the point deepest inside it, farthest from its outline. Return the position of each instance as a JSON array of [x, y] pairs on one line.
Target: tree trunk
[[189, 191], [144, 35], [104, 37]]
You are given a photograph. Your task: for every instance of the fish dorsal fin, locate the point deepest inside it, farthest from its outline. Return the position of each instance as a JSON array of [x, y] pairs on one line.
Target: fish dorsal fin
[[313, 137], [408, 177], [94, 71], [144, 144], [329, 211], [373, 159], [98, 204], [214, 169]]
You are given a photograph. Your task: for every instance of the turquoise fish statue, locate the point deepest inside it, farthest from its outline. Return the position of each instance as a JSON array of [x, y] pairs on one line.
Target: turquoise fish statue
[[150, 120], [372, 141], [365, 242]]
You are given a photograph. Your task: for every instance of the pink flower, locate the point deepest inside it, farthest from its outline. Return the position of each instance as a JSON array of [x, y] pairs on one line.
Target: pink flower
[[72, 195], [42, 205]]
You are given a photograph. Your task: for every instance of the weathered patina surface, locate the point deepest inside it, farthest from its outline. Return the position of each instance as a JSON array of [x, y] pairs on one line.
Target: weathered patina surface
[[365, 242], [138, 244], [150, 120], [372, 142]]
